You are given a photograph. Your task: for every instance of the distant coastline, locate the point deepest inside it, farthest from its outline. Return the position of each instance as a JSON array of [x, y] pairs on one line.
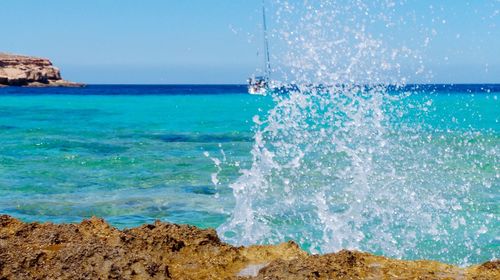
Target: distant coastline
[[28, 71]]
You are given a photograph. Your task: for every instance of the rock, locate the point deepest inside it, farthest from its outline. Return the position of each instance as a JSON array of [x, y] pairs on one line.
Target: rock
[[18, 70], [95, 250]]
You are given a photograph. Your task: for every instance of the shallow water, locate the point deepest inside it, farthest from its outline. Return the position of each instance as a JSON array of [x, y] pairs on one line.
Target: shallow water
[[122, 155], [133, 154]]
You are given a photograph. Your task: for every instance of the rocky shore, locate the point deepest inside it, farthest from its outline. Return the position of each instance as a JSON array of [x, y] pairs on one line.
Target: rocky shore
[[95, 250], [18, 70]]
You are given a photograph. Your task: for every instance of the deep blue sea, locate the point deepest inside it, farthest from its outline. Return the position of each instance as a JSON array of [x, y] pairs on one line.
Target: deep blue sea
[[136, 153]]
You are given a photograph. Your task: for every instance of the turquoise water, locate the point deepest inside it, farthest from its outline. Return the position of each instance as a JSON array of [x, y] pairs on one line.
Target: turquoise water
[[135, 154], [128, 158]]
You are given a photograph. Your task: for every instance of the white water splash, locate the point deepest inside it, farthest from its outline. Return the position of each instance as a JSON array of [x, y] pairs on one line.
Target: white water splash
[[334, 166]]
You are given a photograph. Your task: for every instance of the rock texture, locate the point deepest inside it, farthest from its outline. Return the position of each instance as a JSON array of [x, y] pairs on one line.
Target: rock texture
[[95, 250], [17, 70]]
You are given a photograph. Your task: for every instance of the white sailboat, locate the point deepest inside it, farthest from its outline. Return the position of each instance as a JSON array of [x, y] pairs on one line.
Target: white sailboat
[[259, 85]]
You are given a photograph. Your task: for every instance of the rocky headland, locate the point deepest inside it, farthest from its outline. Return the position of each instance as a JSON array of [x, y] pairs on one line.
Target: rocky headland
[[95, 250], [18, 70]]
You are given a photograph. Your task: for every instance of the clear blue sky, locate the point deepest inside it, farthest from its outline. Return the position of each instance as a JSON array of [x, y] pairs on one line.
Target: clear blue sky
[[213, 41]]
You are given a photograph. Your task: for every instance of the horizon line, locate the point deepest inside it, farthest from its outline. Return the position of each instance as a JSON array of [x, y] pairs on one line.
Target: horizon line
[[244, 84]]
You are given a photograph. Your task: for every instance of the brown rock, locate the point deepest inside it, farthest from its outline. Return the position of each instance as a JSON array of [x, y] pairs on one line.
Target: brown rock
[[95, 250], [17, 70]]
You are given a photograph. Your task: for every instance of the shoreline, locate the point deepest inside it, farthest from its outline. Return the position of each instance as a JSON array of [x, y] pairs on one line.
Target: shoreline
[[29, 71], [94, 249]]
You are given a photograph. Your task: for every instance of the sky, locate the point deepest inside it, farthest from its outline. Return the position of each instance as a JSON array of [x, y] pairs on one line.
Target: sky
[[215, 41]]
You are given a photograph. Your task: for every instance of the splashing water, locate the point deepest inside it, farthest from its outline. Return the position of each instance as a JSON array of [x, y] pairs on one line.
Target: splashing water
[[341, 165]]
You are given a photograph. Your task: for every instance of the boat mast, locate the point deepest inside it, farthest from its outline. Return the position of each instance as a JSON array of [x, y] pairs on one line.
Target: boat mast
[[267, 63]]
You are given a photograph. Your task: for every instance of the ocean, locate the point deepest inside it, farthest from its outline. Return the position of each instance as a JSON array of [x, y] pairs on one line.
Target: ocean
[[132, 154]]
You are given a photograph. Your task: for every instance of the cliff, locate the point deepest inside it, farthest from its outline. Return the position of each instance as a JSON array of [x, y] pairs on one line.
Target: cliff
[[18, 70], [95, 250]]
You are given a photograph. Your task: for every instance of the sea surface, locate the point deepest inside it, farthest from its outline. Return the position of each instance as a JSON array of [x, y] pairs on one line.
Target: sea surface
[[134, 154]]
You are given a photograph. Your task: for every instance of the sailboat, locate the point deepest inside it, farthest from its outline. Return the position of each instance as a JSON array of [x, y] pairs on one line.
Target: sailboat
[[259, 85]]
